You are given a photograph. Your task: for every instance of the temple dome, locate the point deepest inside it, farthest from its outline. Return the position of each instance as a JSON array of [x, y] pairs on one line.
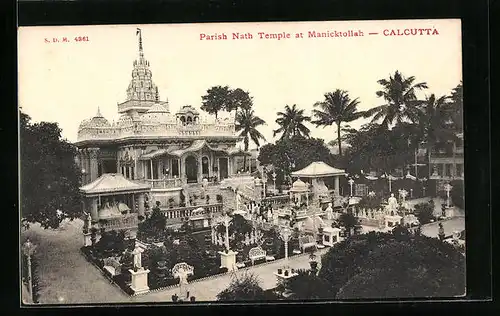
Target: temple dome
[[125, 120], [97, 121], [156, 114], [299, 186]]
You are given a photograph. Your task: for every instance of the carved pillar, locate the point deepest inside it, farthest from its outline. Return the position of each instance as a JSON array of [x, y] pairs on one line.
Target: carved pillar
[[183, 169], [93, 152], [337, 186], [199, 169], [141, 204], [94, 212]]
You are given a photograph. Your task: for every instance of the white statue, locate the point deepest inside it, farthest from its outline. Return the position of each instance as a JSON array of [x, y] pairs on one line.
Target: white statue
[[182, 276], [269, 214], [329, 212], [392, 204], [137, 257], [238, 201]]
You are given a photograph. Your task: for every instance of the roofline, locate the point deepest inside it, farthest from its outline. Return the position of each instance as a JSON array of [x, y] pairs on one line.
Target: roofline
[[115, 191], [119, 141]]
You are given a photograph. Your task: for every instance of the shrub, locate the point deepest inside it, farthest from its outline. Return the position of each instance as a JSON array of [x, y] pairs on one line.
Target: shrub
[[424, 212]]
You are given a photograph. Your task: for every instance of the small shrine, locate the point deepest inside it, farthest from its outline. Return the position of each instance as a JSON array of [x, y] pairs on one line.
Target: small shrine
[[298, 191], [317, 172], [331, 236], [113, 202]]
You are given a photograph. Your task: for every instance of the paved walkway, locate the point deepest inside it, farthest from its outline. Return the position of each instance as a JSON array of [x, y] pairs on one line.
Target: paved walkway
[[68, 278]]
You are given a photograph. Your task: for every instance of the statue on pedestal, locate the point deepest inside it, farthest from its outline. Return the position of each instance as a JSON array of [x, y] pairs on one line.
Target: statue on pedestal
[[392, 206], [329, 212]]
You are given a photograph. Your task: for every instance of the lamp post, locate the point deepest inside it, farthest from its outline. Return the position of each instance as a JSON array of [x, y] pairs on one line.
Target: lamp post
[[351, 182], [403, 193], [225, 220], [274, 181], [448, 188], [28, 250], [285, 234], [264, 179]]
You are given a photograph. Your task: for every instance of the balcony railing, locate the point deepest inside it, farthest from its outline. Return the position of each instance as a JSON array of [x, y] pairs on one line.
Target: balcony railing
[[166, 183], [187, 211], [277, 199], [127, 221]]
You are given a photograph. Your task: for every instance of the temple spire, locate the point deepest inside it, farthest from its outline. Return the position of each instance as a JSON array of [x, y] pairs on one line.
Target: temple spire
[[98, 112], [141, 52]]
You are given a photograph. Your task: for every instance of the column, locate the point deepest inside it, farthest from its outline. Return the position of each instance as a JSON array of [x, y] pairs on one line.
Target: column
[[93, 163], [182, 169], [337, 186], [444, 170], [141, 204], [94, 213], [151, 168], [199, 169]]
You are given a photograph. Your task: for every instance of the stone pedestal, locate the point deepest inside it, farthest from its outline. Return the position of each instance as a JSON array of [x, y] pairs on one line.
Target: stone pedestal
[[449, 212], [282, 277], [87, 240], [139, 282], [392, 221], [228, 260]]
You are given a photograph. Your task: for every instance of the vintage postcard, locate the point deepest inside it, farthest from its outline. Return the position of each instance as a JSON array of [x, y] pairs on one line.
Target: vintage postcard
[[225, 162]]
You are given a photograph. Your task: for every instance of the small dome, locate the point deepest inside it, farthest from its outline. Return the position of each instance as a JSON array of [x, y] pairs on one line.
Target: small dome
[[125, 120], [157, 114], [97, 121], [84, 124], [299, 186]]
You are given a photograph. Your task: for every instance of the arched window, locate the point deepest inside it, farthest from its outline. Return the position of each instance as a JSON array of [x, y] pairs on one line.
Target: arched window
[[204, 167], [189, 120], [183, 120]]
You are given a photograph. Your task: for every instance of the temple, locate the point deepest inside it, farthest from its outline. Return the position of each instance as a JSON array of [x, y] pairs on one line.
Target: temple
[[151, 145]]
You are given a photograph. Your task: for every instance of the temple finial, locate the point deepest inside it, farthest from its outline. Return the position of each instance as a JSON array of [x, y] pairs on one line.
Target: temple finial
[[157, 96], [139, 32], [98, 112]]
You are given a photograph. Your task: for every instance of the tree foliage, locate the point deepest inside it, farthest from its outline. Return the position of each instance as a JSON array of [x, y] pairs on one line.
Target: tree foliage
[[50, 178], [401, 102], [457, 194], [288, 155], [336, 108], [291, 123], [223, 98], [381, 265], [246, 124], [306, 286], [245, 287], [424, 212]]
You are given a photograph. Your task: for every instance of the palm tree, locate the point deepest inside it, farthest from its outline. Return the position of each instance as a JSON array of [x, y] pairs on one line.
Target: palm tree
[[457, 106], [291, 123], [246, 124], [401, 102], [434, 121], [337, 108]]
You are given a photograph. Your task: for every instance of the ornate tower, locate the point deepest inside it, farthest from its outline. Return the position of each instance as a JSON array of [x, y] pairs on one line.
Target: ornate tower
[[142, 93]]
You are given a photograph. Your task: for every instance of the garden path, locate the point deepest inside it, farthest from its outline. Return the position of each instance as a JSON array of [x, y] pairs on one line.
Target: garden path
[[66, 276]]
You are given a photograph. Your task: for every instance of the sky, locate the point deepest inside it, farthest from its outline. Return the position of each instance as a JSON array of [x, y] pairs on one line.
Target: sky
[[65, 82]]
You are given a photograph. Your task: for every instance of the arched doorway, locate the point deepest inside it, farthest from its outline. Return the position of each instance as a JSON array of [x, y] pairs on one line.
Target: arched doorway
[[191, 169]]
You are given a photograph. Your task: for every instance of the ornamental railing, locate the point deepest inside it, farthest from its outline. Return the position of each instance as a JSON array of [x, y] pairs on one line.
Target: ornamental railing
[[187, 211]]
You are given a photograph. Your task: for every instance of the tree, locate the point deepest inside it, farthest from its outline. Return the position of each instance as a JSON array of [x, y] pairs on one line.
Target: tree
[[457, 194], [291, 123], [306, 286], [246, 125], [435, 120], [216, 99], [337, 108], [457, 106], [288, 155], [382, 265], [424, 212], [240, 100], [401, 101], [50, 177], [348, 221], [243, 288]]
